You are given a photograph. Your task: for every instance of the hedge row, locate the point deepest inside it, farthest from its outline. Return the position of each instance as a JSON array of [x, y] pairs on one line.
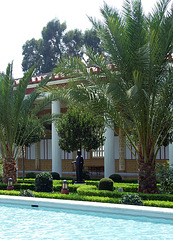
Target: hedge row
[[115, 194], [72, 196]]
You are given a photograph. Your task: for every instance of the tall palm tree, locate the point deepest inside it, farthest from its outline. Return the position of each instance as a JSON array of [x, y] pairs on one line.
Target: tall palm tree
[[132, 82], [14, 107]]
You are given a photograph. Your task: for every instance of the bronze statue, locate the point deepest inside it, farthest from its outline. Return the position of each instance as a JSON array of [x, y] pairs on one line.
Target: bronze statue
[[79, 166]]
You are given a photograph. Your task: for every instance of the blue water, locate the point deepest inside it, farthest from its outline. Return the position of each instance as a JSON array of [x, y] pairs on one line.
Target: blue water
[[43, 223]]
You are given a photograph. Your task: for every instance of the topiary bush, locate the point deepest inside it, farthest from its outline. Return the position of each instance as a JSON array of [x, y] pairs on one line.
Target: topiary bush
[[44, 182], [116, 177], [55, 175], [131, 199], [106, 184], [30, 175]]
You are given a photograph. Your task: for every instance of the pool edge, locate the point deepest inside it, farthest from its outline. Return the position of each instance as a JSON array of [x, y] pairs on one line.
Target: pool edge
[[143, 211]]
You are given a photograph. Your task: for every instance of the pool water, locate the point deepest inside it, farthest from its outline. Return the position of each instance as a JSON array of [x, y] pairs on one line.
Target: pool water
[[43, 223]]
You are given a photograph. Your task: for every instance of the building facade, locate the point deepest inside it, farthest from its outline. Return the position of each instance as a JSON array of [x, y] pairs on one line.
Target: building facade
[[114, 157]]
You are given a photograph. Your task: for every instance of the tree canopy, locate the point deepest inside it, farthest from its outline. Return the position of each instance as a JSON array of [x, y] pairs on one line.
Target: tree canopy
[[79, 129], [17, 111], [56, 42], [132, 83]]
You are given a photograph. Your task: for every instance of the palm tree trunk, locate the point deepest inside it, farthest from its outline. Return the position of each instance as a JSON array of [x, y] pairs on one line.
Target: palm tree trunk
[[9, 170], [147, 177]]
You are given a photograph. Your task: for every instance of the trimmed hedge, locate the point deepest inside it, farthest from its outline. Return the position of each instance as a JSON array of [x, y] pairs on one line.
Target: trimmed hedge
[[28, 180], [128, 187], [72, 196]]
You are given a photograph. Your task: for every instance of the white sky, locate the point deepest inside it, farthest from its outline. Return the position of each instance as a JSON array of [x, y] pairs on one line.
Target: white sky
[[22, 20]]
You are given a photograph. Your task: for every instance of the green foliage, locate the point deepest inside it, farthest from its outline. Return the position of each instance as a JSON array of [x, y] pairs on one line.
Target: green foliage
[[131, 199], [26, 193], [55, 175], [79, 129], [30, 175], [16, 108], [116, 177], [106, 184], [44, 182], [18, 186], [85, 175], [27, 180], [138, 82], [29, 132], [128, 187], [55, 43], [163, 204], [165, 176], [90, 193]]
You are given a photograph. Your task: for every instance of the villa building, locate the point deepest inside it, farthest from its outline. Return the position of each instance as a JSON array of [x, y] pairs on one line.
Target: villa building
[[113, 157]]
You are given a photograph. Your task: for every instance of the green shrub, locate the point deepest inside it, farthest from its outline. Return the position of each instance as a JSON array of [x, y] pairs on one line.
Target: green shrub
[[130, 180], [44, 182], [30, 175], [28, 180], [116, 177], [26, 193], [18, 186], [131, 199], [85, 175], [55, 175], [165, 176], [128, 187], [3, 186], [106, 184]]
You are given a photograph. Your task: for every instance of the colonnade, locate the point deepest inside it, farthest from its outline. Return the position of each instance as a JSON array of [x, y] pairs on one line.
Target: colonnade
[[109, 156], [109, 148]]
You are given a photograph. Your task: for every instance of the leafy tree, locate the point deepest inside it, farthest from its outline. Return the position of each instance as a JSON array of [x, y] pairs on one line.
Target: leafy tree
[[137, 86], [73, 41], [92, 41], [54, 44], [29, 132], [78, 129], [32, 54], [14, 106], [47, 50]]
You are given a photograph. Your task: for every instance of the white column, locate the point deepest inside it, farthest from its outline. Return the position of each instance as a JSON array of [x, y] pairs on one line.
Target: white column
[[56, 151], [171, 154], [109, 156], [37, 156]]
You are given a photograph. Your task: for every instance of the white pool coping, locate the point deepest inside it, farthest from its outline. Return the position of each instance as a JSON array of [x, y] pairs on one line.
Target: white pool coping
[[141, 211]]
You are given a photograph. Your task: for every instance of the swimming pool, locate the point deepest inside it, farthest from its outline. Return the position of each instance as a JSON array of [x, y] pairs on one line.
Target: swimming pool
[[44, 223], [27, 222]]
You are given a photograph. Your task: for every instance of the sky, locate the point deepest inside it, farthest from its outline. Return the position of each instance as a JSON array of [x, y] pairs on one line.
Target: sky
[[22, 20]]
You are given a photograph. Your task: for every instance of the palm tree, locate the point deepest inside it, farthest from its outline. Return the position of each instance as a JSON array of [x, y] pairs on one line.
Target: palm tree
[[14, 106], [132, 85]]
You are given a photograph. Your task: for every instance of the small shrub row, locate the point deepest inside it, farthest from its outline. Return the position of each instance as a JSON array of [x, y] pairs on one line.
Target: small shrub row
[[18, 186], [29, 180], [71, 196], [100, 193], [128, 187], [86, 191]]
